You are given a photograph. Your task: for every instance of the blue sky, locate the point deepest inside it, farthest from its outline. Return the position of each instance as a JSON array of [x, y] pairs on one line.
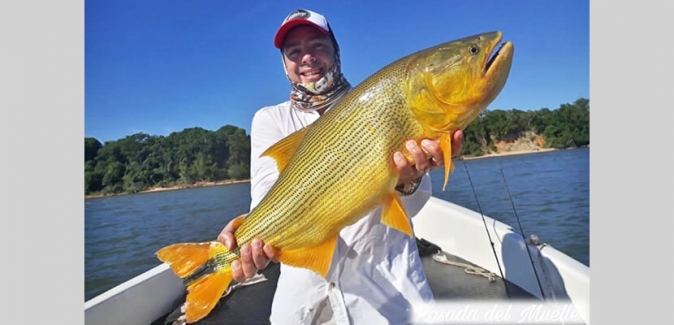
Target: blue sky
[[163, 66]]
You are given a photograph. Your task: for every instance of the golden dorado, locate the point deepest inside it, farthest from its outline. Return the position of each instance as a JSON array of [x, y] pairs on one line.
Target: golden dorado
[[338, 169]]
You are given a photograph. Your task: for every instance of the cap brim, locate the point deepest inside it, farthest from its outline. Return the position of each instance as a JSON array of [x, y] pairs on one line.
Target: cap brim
[[283, 30]]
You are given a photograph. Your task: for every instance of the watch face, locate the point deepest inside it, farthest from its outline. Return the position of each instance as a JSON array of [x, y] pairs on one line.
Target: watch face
[[410, 187]]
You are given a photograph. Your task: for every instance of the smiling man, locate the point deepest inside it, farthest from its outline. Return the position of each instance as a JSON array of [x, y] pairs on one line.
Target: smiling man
[[376, 274]]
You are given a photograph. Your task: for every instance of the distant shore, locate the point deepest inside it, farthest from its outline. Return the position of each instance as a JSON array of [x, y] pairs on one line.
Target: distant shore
[[509, 153], [228, 182], [173, 188]]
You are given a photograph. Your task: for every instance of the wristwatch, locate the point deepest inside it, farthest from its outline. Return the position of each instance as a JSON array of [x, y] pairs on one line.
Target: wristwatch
[[409, 188]]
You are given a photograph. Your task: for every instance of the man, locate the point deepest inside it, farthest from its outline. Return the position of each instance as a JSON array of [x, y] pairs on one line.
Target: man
[[376, 274]]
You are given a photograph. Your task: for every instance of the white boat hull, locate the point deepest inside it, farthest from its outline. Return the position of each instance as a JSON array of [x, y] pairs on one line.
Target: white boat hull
[[457, 230]]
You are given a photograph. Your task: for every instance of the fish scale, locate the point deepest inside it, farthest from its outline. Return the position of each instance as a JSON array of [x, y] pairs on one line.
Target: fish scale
[[338, 169]]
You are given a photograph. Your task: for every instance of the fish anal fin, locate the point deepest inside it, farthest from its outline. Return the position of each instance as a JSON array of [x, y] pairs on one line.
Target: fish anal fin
[[446, 146], [393, 214], [317, 258], [205, 293], [284, 150], [184, 258]]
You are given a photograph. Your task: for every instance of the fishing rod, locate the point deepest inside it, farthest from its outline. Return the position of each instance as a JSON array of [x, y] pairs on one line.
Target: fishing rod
[[491, 242], [531, 260]]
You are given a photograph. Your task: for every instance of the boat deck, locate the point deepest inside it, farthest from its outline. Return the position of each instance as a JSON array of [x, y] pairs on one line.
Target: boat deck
[[452, 282], [252, 304]]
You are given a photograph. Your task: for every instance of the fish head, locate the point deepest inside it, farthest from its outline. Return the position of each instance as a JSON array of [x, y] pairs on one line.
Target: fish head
[[450, 84]]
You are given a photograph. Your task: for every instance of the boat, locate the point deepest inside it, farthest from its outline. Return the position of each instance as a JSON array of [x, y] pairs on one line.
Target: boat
[[470, 259]]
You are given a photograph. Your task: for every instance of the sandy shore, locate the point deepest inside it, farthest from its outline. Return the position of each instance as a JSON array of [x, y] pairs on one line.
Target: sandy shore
[[173, 188], [510, 153], [204, 184]]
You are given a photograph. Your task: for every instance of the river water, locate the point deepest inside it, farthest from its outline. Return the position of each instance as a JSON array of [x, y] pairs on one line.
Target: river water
[[550, 191]]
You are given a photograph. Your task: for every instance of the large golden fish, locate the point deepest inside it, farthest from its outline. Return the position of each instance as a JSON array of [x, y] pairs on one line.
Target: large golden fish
[[335, 171]]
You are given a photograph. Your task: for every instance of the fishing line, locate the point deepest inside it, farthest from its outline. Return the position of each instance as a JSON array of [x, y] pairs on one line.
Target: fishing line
[[540, 287], [491, 242]]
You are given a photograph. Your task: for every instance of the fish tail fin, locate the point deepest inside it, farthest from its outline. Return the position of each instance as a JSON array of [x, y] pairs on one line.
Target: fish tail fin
[[205, 284], [184, 258], [205, 293]]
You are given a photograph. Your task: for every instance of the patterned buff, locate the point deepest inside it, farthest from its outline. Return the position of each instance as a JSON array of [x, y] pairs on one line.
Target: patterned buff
[[323, 92]]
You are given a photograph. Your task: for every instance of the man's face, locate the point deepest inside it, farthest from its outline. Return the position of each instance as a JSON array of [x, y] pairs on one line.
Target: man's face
[[308, 54]]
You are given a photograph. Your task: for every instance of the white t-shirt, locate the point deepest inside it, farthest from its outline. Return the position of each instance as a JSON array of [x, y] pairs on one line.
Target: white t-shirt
[[376, 275]]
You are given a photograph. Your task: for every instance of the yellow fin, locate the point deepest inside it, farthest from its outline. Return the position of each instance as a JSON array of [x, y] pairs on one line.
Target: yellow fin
[[393, 215], [184, 258], [317, 258], [205, 293], [446, 146], [283, 150]]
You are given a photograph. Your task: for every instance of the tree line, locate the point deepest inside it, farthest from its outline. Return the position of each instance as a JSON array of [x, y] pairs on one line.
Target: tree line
[[142, 161], [565, 127]]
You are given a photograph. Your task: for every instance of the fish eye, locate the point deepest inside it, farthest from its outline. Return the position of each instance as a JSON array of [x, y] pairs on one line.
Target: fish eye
[[474, 49]]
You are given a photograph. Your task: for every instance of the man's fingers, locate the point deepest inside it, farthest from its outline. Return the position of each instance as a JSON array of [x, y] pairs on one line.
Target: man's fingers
[[237, 273], [420, 159], [227, 239], [457, 143], [247, 264], [402, 164], [271, 253], [235, 223], [434, 150], [226, 236], [405, 169], [254, 257], [259, 258]]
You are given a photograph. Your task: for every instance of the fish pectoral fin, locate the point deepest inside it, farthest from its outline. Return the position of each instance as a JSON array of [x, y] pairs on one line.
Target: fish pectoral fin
[[317, 258], [393, 214], [446, 146], [283, 150], [205, 293]]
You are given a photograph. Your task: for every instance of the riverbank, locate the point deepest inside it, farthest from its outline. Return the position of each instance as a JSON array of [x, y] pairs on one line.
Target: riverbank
[[173, 188], [509, 153], [228, 182]]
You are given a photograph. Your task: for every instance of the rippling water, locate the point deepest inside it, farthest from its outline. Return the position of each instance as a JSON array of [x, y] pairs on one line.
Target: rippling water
[[550, 192]]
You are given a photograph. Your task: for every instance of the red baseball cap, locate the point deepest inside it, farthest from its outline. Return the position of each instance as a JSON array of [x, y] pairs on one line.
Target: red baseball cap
[[297, 18]]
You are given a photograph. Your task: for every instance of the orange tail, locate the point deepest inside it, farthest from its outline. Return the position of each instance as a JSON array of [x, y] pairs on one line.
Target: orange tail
[[206, 291]]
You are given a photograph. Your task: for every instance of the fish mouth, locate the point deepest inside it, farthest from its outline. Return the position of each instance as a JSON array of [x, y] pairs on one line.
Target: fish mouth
[[502, 55]]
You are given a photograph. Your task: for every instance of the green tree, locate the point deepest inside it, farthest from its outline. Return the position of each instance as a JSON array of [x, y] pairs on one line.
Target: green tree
[[91, 148]]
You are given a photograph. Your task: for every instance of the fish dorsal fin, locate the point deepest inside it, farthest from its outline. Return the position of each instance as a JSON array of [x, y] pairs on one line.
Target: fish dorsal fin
[[317, 258], [393, 215], [446, 146], [283, 150]]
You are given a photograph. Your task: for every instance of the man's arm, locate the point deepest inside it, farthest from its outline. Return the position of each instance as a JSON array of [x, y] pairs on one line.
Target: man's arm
[[264, 133]]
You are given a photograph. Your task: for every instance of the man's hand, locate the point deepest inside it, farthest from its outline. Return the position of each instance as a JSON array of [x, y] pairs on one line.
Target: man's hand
[[254, 257], [424, 162]]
